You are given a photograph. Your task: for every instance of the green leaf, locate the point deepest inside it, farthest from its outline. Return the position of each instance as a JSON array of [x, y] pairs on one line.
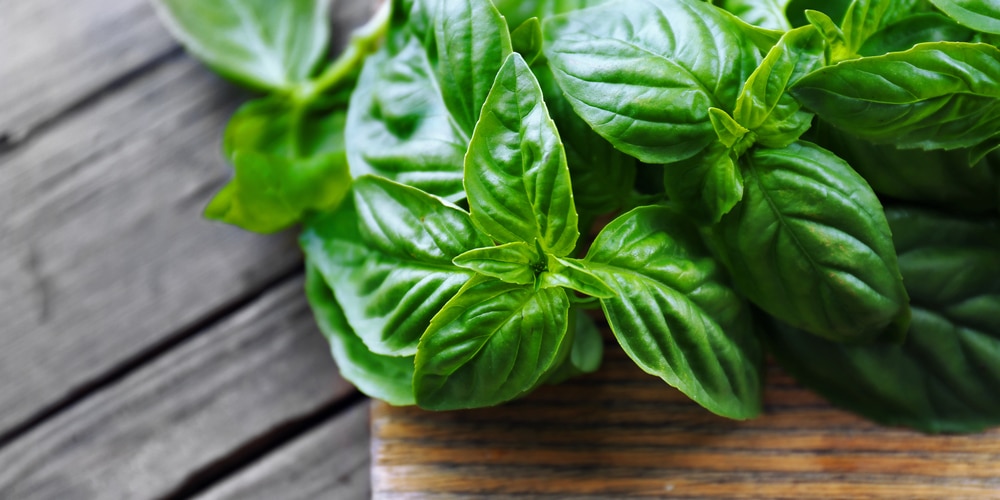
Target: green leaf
[[602, 176], [288, 161], [707, 186], [574, 274], [940, 95], [939, 178], [390, 262], [510, 262], [919, 28], [837, 49], [260, 43], [763, 105], [519, 11], [728, 129], [387, 378], [586, 352], [831, 9], [828, 268], [526, 39], [944, 377], [515, 171], [674, 314], [764, 13], [980, 15], [863, 19], [491, 343], [643, 74], [417, 99]]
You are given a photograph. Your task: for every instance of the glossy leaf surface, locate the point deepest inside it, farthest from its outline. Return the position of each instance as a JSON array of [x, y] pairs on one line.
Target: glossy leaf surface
[[707, 186], [919, 28], [940, 95], [944, 377], [392, 271], [260, 43], [388, 378], [764, 13], [490, 344], [810, 245], [515, 171], [980, 15], [643, 74], [674, 314], [510, 262]]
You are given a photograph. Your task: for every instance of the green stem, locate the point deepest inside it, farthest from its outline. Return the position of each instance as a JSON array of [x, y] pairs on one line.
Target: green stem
[[363, 42]]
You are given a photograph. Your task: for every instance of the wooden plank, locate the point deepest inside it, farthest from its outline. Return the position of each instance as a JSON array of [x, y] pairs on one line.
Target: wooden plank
[[623, 433], [146, 435], [331, 461], [57, 52], [103, 251]]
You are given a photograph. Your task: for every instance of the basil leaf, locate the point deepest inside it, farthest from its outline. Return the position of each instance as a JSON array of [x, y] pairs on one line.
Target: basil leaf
[[938, 178], [384, 377], [602, 176], [417, 99], [979, 15], [763, 105], [764, 13], [491, 343], [392, 271], [927, 27], [515, 171], [510, 262], [574, 274], [526, 39], [259, 43], [944, 377], [939, 95], [833, 9], [828, 268], [726, 127], [674, 314], [288, 160], [862, 20], [519, 11], [586, 352], [643, 74], [707, 186]]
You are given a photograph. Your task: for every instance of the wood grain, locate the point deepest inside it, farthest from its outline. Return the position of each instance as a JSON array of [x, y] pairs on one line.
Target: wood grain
[[622, 433], [56, 53], [103, 250], [331, 461], [149, 433]]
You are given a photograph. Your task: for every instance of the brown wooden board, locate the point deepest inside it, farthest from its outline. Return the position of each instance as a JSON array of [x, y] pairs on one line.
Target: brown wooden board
[[218, 395], [330, 461], [622, 433]]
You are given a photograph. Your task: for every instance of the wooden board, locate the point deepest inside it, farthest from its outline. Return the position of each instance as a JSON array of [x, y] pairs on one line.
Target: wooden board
[[211, 399], [330, 461], [623, 433], [104, 255], [58, 54]]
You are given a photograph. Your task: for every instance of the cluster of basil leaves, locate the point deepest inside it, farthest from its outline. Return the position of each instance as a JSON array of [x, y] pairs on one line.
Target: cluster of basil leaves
[[779, 177]]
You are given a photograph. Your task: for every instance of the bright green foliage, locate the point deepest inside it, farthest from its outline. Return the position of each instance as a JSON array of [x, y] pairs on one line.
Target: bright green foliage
[[981, 15]]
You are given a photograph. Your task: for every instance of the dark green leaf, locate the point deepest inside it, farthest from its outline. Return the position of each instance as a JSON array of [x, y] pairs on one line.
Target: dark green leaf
[[387, 378], [764, 13], [944, 377], [586, 352], [510, 262], [980, 15], [260, 43], [862, 20], [392, 271], [763, 105], [526, 39], [491, 343], [833, 9], [602, 176], [643, 74], [939, 178], [809, 244], [674, 314], [928, 27], [515, 171], [940, 95], [707, 186], [288, 160]]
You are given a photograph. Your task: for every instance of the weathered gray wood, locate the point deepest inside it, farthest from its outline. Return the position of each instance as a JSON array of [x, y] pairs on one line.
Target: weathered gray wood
[[103, 251], [143, 436], [55, 52], [332, 461]]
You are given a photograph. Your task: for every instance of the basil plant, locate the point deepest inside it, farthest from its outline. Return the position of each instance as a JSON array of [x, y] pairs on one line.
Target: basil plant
[[481, 184]]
